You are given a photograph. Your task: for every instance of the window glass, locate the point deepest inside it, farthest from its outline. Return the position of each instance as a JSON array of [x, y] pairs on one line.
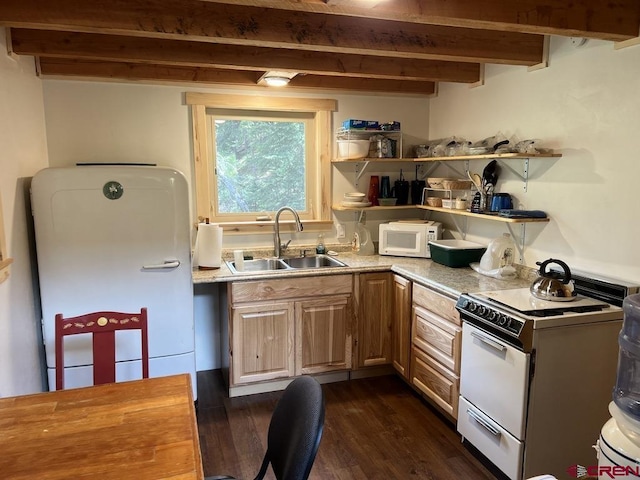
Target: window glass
[[260, 165]]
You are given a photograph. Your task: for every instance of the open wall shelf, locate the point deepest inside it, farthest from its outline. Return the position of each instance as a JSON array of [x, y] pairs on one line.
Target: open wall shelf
[[482, 216]]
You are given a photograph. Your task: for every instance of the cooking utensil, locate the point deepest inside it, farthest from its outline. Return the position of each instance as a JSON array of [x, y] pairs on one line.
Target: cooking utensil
[[553, 286], [475, 179], [490, 175]]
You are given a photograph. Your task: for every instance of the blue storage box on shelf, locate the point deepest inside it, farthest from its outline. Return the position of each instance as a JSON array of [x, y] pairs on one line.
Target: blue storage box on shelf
[[352, 124]]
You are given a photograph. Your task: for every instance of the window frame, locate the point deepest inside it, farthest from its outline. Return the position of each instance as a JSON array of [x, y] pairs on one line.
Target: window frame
[[5, 260], [321, 109]]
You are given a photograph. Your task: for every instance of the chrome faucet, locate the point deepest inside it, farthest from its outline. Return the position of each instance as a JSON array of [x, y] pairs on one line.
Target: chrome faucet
[[281, 247]]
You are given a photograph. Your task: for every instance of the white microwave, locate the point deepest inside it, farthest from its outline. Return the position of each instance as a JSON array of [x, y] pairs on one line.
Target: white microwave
[[404, 239]]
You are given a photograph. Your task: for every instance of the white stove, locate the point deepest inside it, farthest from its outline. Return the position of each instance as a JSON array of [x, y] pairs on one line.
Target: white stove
[[514, 314], [536, 376]]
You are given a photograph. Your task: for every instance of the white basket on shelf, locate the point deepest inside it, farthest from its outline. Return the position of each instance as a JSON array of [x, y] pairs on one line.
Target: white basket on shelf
[[353, 148]]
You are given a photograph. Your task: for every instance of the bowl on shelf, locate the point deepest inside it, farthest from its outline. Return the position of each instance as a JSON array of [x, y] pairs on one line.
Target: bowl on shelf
[[457, 184], [435, 182], [434, 201], [348, 149], [387, 202], [354, 196]]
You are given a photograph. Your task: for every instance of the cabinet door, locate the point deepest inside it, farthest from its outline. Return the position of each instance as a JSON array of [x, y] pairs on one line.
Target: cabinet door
[[323, 334], [374, 319], [262, 342], [401, 325]]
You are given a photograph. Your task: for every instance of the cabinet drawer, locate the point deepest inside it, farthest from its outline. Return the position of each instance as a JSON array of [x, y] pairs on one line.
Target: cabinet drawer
[[435, 381], [436, 302], [437, 337], [290, 288]]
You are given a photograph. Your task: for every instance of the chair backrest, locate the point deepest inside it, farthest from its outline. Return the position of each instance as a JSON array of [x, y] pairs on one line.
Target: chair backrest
[[102, 326], [295, 430]]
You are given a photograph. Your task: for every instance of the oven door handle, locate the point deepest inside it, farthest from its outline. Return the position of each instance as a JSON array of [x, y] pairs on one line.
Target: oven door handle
[[483, 423], [489, 342]]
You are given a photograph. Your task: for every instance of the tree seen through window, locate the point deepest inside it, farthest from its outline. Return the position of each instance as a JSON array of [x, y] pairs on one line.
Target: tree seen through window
[[260, 165]]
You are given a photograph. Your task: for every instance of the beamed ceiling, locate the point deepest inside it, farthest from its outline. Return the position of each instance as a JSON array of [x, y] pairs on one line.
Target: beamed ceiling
[[394, 46]]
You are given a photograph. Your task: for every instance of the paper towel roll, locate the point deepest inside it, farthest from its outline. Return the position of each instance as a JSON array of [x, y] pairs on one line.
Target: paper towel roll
[[209, 246]]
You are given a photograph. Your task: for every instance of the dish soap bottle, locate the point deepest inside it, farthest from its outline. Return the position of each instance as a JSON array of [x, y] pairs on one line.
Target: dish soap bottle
[[320, 248]]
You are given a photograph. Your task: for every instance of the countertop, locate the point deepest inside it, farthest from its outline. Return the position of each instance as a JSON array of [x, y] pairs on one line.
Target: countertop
[[447, 280]]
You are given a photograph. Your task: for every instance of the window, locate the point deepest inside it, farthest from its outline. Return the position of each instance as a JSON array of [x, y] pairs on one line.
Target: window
[[254, 155], [260, 161]]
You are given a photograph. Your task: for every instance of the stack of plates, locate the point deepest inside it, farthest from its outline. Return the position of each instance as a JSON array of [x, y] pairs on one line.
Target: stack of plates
[[355, 199]]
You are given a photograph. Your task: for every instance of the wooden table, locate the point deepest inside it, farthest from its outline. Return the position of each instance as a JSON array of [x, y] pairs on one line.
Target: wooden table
[[144, 429]]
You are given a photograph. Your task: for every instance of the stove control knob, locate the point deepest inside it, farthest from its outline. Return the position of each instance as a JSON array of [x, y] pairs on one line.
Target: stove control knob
[[482, 311], [492, 315], [464, 304], [503, 319], [472, 307]]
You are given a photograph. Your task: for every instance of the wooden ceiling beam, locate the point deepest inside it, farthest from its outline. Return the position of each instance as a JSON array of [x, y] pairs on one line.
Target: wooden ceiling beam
[[170, 73], [612, 20], [266, 27], [173, 52]]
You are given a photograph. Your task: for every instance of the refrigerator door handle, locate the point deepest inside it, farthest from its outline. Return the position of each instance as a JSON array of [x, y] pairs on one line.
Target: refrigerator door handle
[[168, 264]]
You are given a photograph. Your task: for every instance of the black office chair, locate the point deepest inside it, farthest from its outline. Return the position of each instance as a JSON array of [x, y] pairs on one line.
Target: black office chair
[[295, 431]]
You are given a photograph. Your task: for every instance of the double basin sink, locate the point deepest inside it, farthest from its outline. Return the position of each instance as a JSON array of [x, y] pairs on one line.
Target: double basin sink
[[293, 263]]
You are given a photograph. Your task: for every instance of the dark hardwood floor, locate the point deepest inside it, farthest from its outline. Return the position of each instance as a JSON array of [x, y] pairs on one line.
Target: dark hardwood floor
[[375, 428]]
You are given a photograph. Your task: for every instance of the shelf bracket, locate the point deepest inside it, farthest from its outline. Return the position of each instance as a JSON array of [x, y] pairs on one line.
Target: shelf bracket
[[360, 172], [519, 240], [454, 170], [461, 225], [429, 169], [525, 171]]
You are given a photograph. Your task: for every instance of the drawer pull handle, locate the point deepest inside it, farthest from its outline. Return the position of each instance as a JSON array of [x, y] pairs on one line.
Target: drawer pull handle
[[483, 423], [488, 341]]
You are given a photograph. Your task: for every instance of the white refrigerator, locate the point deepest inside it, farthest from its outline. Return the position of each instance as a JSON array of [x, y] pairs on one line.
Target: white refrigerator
[[116, 238]]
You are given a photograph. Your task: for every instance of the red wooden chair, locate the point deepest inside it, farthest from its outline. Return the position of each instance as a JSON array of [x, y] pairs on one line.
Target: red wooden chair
[[103, 326]]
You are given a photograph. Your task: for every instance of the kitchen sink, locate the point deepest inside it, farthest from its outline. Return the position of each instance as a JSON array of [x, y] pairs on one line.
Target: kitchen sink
[[293, 263], [313, 261], [259, 265]]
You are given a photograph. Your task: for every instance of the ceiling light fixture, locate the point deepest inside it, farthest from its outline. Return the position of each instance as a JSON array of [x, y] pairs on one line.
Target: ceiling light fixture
[[276, 78], [276, 81]]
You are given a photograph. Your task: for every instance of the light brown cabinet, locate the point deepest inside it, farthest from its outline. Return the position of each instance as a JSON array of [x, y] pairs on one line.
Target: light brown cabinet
[[262, 342], [435, 350], [323, 336], [374, 319], [401, 325], [285, 327]]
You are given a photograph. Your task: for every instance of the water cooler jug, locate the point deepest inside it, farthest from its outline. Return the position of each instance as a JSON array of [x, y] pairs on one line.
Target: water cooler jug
[[619, 442]]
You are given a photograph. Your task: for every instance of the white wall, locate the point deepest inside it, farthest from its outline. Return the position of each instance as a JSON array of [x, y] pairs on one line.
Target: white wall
[[23, 151], [586, 105]]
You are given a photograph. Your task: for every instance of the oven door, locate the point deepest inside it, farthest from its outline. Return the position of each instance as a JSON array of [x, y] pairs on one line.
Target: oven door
[[494, 377], [503, 449]]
